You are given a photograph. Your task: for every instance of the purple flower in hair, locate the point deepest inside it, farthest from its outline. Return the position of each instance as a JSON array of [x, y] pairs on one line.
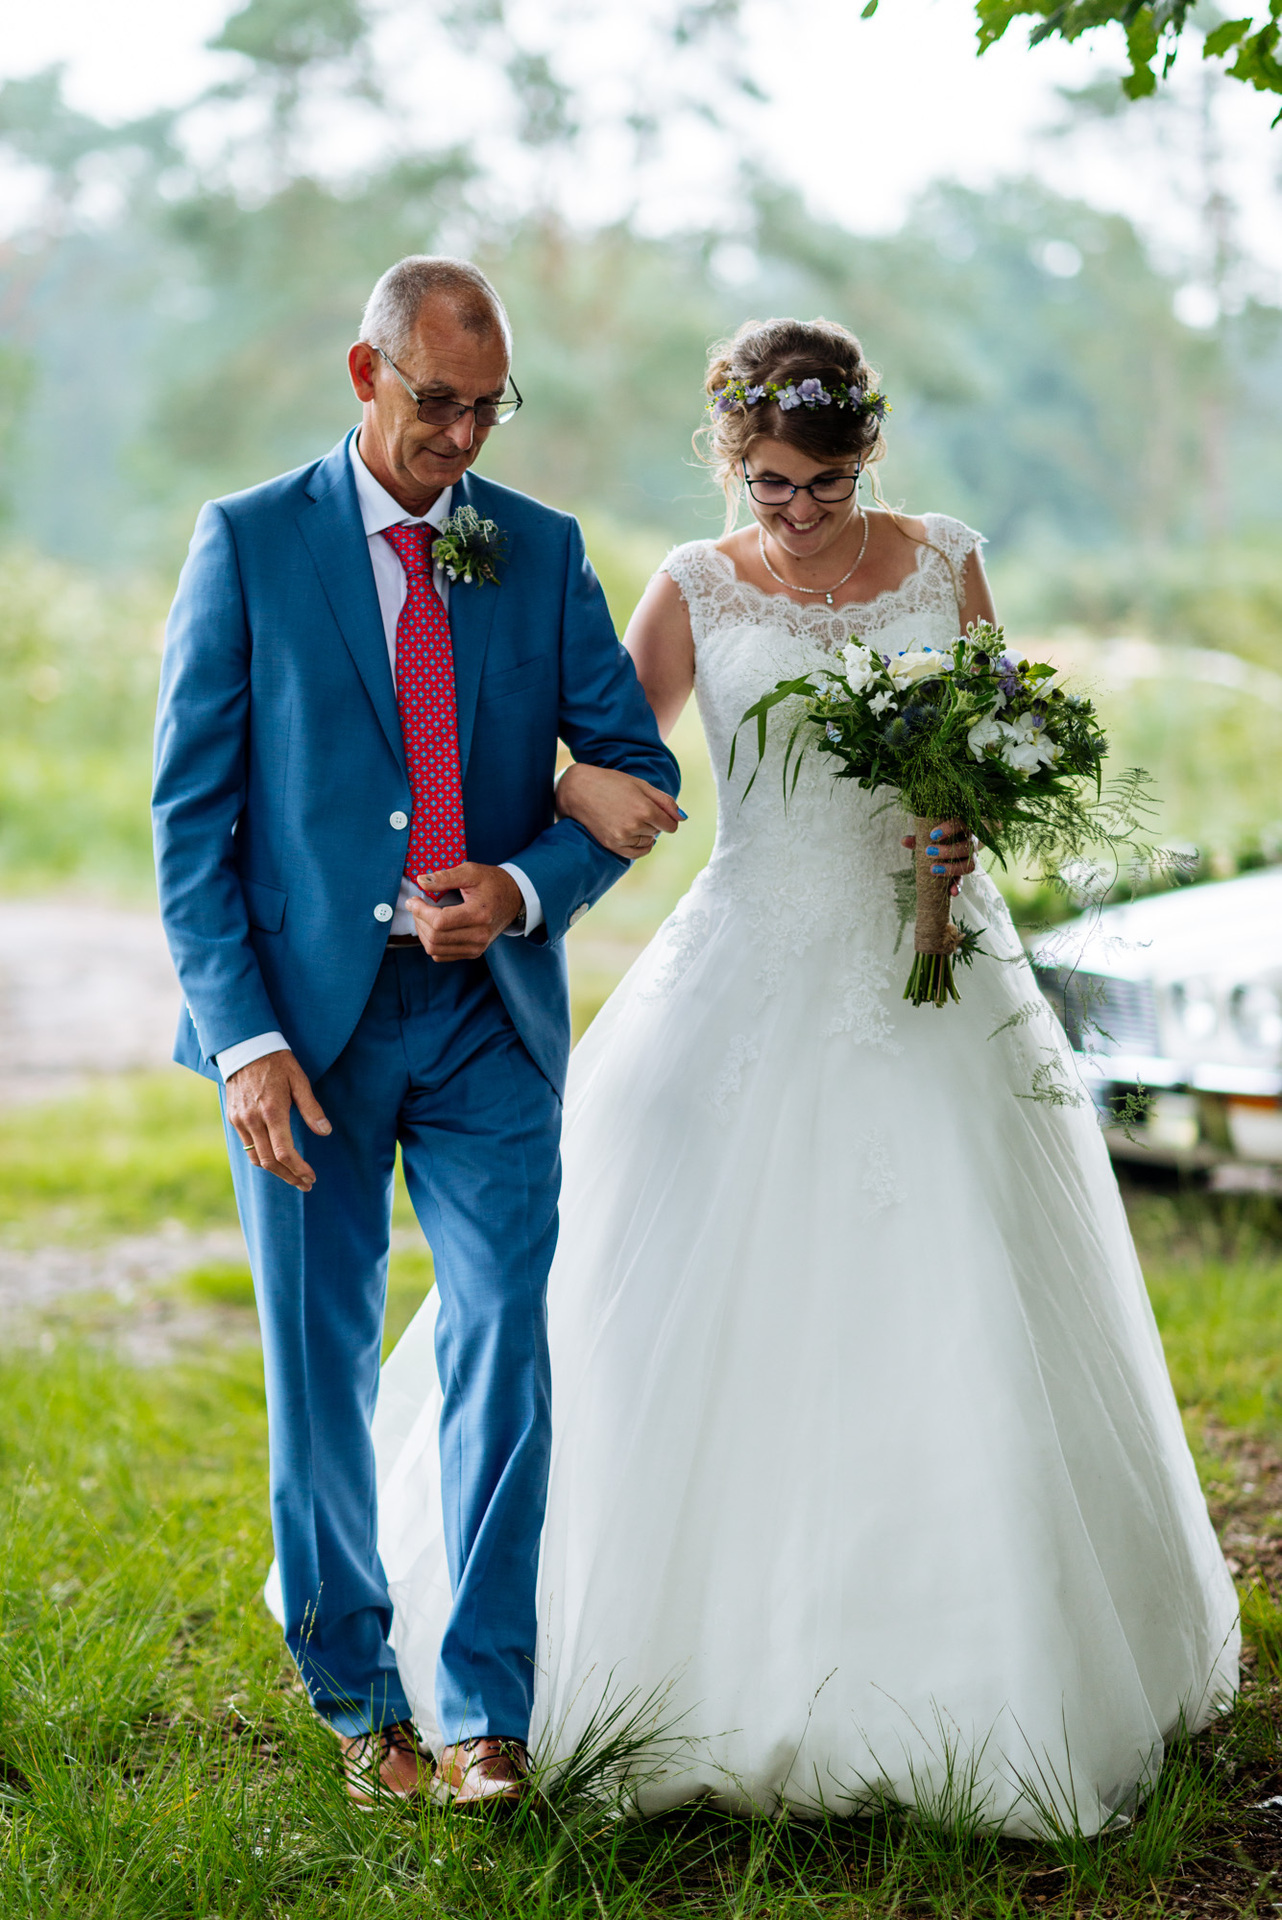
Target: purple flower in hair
[[754, 394], [723, 402], [789, 398], [814, 393]]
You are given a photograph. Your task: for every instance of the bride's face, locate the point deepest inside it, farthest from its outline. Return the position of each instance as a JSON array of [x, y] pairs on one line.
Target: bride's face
[[803, 525]]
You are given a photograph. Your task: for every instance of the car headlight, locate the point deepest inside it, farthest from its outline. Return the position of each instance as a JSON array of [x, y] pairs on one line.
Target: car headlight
[[1194, 1005], [1255, 1011]]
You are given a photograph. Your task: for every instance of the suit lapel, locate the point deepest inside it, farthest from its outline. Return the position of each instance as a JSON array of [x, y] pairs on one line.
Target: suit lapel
[[335, 536], [471, 619]]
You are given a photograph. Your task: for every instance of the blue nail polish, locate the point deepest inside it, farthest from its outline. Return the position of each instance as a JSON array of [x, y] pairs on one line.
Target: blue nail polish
[[682, 816], [935, 832], [937, 869]]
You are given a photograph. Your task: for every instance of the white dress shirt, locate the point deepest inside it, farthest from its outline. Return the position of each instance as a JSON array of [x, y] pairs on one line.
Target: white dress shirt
[[379, 510]]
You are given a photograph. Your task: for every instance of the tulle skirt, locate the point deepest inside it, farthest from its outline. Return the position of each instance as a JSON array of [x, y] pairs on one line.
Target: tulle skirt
[[868, 1481]]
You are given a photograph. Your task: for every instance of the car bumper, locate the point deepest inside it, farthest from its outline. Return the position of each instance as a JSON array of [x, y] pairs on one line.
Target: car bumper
[[1221, 1120]]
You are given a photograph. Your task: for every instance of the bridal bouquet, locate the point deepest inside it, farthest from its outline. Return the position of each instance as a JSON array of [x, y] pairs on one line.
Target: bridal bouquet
[[970, 734]]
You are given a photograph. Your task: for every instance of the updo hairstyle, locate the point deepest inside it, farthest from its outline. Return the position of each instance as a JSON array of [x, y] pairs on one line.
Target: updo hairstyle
[[785, 351]]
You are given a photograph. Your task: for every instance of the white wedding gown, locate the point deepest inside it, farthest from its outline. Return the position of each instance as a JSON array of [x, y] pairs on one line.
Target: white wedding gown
[[867, 1467]]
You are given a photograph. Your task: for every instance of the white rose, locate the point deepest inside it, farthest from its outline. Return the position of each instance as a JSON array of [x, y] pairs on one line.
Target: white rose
[[918, 663]]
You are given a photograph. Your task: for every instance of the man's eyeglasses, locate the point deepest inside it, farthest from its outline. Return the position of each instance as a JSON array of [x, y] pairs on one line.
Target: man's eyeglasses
[[827, 489], [437, 410]]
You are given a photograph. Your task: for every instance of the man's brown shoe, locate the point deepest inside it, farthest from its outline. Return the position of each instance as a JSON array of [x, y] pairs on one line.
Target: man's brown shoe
[[486, 1772], [388, 1764]]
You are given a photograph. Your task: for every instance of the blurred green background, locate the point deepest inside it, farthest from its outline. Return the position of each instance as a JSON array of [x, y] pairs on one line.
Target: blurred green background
[[175, 328], [177, 294]]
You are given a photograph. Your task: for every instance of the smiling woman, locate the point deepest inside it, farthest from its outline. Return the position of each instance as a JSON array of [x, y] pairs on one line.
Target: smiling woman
[[794, 418]]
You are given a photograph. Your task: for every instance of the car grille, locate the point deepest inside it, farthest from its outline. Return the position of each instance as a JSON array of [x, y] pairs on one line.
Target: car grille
[[1101, 1014]]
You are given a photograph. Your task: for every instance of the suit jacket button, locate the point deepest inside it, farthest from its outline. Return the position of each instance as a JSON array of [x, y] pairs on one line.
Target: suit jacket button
[[382, 911], [398, 820]]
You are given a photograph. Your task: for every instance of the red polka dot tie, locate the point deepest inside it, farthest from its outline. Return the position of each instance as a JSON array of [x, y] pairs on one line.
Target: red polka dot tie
[[429, 711]]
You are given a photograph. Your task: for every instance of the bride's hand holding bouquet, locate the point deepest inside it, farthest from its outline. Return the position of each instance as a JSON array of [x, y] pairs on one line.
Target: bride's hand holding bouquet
[[975, 741]]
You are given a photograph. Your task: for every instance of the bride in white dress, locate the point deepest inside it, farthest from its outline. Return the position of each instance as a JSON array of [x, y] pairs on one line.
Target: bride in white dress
[[867, 1468]]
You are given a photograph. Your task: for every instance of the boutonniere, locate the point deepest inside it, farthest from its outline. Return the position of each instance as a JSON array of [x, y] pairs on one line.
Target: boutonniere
[[469, 548]]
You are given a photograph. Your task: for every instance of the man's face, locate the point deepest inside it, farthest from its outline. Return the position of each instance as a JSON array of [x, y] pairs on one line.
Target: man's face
[[414, 461]]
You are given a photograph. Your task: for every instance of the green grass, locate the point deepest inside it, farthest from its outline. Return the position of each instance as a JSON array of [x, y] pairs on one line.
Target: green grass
[[132, 1153], [126, 1156], [1214, 1273], [156, 1759]]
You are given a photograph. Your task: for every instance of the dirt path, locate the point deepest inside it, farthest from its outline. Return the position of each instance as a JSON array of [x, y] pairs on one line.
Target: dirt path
[[84, 990]]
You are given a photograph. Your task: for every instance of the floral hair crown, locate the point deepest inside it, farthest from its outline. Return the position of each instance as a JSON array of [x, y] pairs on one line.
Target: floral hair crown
[[804, 393]]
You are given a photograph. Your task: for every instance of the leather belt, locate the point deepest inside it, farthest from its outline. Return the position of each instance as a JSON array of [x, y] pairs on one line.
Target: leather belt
[[403, 940]]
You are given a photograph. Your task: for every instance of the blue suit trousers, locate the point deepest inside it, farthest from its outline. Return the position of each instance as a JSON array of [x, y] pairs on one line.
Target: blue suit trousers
[[435, 1064]]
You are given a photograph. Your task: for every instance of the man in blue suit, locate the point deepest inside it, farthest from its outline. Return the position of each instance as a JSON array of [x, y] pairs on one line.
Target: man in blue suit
[[338, 721]]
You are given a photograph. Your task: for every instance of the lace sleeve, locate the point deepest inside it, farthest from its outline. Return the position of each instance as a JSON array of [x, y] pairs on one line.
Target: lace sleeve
[[956, 541], [694, 569], [954, 536], [688, 567]]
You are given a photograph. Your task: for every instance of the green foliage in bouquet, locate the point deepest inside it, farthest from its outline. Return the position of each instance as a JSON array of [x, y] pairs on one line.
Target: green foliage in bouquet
[[974, 735]]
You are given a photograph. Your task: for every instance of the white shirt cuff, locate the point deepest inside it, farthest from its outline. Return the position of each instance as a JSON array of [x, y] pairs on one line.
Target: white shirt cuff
[[232, 1059], [533, 905]]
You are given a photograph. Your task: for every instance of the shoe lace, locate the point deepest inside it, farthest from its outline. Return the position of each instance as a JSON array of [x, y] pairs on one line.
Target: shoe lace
[[401, 1736]]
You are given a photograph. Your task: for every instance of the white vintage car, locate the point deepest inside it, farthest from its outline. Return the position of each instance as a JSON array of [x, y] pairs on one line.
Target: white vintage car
[[1179, 996]]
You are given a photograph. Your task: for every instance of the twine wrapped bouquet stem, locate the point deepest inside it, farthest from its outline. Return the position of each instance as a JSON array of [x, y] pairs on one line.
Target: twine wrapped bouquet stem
[[936, 939]]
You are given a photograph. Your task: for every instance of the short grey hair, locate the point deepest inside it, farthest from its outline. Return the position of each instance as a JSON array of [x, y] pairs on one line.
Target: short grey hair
[[392, 310]]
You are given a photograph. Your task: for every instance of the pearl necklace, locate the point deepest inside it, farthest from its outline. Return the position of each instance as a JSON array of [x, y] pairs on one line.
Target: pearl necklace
[[827, 592]]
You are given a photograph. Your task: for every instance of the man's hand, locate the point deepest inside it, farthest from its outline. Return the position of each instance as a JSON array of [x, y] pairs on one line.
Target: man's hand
[[259, 1098], [491, 901], [952, 851]]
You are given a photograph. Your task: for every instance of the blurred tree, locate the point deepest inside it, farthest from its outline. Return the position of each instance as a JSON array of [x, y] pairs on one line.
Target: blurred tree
[[1042, 383], [190, 340], [16, 375]]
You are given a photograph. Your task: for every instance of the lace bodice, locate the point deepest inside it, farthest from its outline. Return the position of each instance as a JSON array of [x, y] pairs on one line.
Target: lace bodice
[[821, 863]]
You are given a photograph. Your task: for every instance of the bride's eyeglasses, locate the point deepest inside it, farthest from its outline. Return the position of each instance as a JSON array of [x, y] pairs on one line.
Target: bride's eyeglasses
[[438, 410], [828, 489]]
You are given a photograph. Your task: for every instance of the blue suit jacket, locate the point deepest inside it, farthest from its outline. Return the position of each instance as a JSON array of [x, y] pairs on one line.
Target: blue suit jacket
[[279, 760]]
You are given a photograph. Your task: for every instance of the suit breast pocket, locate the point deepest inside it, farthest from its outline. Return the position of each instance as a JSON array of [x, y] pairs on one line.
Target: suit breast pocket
[[525, 677]]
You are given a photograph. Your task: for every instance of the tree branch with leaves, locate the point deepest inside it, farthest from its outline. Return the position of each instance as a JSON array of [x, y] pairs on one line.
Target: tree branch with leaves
[[1248, 45]]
